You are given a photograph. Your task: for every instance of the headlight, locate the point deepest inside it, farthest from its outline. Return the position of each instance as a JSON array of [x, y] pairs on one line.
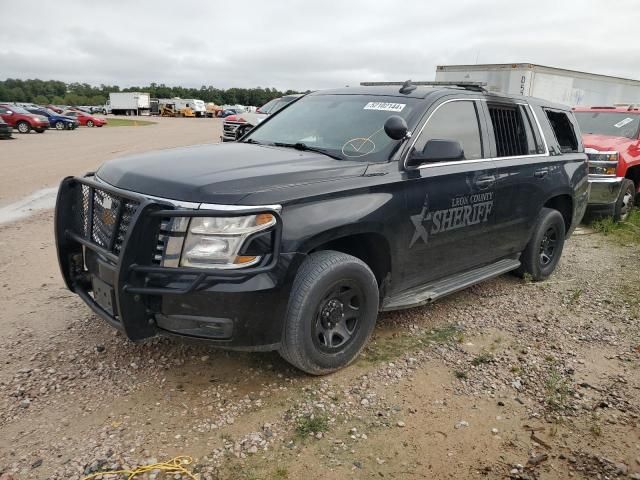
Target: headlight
[[602, 163], [215, 242]]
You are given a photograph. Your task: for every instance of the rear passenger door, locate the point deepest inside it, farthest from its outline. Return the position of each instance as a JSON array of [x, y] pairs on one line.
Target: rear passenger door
[[449, 203], [523, 171]]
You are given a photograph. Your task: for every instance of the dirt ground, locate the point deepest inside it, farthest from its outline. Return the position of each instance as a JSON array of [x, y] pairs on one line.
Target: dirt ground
[[507, 379]]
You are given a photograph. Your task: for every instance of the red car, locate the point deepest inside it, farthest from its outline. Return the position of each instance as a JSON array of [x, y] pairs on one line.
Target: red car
[[611, 136], [85, 118], [24, 121]]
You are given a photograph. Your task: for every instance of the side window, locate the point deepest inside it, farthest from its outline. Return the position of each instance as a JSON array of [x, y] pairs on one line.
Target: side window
[[3, 110], [563, 129], [456, 120], [514, 132]]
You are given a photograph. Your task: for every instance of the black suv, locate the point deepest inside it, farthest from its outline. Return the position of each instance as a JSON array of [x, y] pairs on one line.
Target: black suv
[[343, 204]]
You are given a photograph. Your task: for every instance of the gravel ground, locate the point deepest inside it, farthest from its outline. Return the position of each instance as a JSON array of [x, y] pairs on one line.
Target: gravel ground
[[507, 379]]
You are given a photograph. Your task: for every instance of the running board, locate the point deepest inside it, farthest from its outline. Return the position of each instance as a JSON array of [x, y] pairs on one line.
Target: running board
[[430, 292]]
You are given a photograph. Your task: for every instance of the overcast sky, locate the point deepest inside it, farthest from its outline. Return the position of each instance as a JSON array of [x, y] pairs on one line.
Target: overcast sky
[[307, 44]]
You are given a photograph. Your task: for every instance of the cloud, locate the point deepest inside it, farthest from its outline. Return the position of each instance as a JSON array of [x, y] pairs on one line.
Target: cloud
[[300, 44]]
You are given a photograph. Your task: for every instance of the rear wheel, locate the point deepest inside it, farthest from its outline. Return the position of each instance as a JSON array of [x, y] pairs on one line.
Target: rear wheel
[[59, 125], [89, 123], [625, 201], [332, 312], [541, 255], [23, 127]]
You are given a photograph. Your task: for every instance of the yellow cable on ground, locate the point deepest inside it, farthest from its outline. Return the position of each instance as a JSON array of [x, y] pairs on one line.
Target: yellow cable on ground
[[175, 465]]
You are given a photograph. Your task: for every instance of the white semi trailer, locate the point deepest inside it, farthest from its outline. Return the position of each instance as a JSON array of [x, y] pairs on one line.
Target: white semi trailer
[[128, 103], [568, 87]]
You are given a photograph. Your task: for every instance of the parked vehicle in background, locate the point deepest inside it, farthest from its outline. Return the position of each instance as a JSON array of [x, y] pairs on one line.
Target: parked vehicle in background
[[612, 138], [5, 129], [568, 87], [346, 203], [213, 110], [23, 120], [231, 111], [56, 120], [58, 108], [236, 125], [86, 119], [128, 103], [181, 104]]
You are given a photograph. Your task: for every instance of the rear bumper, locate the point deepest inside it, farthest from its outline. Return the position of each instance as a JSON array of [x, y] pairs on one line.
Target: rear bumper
[[230, 308], [604, 194]]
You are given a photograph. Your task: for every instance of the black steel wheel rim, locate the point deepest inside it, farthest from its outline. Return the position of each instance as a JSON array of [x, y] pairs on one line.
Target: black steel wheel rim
[[548, 246], [337, 317]]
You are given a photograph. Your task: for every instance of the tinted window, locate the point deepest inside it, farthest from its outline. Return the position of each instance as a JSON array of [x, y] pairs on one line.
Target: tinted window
[[513, 131], [563, 129], [454, 121]]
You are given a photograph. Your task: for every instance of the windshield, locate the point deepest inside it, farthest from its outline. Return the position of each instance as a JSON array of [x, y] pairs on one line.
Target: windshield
[[267, 107], [613, 124], [345, 126], [18, 109], [51, 112]]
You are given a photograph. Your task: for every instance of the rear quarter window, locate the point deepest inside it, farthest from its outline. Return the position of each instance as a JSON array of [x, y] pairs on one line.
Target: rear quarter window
[[563, 130]]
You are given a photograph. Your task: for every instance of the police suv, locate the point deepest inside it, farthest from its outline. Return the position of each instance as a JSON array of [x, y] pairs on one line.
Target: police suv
[[343, 204]]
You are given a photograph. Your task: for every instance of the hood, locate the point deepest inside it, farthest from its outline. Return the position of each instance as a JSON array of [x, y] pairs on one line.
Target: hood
[[223, 173], [607, 143]]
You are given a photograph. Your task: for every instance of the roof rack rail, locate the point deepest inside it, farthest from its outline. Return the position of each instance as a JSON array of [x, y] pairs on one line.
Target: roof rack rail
[[474, 86]]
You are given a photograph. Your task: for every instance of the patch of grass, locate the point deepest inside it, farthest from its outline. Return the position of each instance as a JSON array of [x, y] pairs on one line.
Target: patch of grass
[[481, 359], [313, 423], [122, 122], [280, 473], [557, 391], [385, 349], [460, 374], [527, 277], [575, 295], [626, 232]]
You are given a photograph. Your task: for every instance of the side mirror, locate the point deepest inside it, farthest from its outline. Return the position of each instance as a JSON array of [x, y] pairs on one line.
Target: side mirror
[[437, 151], [395, 127]]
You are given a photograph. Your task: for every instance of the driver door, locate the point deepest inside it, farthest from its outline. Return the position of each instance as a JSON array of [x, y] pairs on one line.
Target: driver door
[[450, 204]]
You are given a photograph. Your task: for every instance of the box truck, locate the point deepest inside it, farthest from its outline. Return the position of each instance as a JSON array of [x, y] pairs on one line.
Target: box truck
[[128, 103], [559, 85]]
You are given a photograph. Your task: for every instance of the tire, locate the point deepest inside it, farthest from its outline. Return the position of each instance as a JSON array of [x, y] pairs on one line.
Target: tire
[[625, 201], [541, 255], [23, 127], [320, 334], [59, 125], [89, 123]]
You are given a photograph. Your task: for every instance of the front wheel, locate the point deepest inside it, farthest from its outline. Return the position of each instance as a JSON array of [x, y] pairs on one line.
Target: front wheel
[[542, 253], [625, 201], [59, 125], [89, 123], [332, 311], [23, 127]]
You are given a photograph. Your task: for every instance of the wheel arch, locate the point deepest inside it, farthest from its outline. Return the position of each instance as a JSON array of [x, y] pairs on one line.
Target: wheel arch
[[633, 174], [562, 202], [367, 244]]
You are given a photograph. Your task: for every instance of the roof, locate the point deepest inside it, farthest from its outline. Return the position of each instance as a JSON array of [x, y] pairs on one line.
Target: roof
[[390, 90]]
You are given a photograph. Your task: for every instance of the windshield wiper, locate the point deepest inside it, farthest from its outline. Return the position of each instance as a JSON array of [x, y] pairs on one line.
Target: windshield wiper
[[252, 141], [307, 148]]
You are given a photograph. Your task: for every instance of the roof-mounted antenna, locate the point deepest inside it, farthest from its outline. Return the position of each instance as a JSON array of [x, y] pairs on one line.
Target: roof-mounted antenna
[[407, 87]]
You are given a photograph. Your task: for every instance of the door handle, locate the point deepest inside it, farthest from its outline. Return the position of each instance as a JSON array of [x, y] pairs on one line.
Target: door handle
[[541, 172], [485, 181]]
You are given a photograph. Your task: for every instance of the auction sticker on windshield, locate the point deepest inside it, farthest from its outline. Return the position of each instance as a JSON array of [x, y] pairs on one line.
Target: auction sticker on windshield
[[622, 123], [385, 107]]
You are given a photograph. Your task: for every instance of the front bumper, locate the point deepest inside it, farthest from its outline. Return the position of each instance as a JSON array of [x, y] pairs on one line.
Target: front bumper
[[119, 278], [604, 194]]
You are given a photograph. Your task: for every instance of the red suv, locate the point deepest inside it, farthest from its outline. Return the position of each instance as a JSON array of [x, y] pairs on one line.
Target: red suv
[[611, 136], [23, 120]]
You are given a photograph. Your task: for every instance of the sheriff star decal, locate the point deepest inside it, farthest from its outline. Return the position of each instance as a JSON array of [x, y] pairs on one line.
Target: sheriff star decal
[[464, 211]]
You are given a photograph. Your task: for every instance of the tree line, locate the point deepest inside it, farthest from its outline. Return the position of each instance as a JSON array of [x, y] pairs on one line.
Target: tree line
[[43, 92]]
